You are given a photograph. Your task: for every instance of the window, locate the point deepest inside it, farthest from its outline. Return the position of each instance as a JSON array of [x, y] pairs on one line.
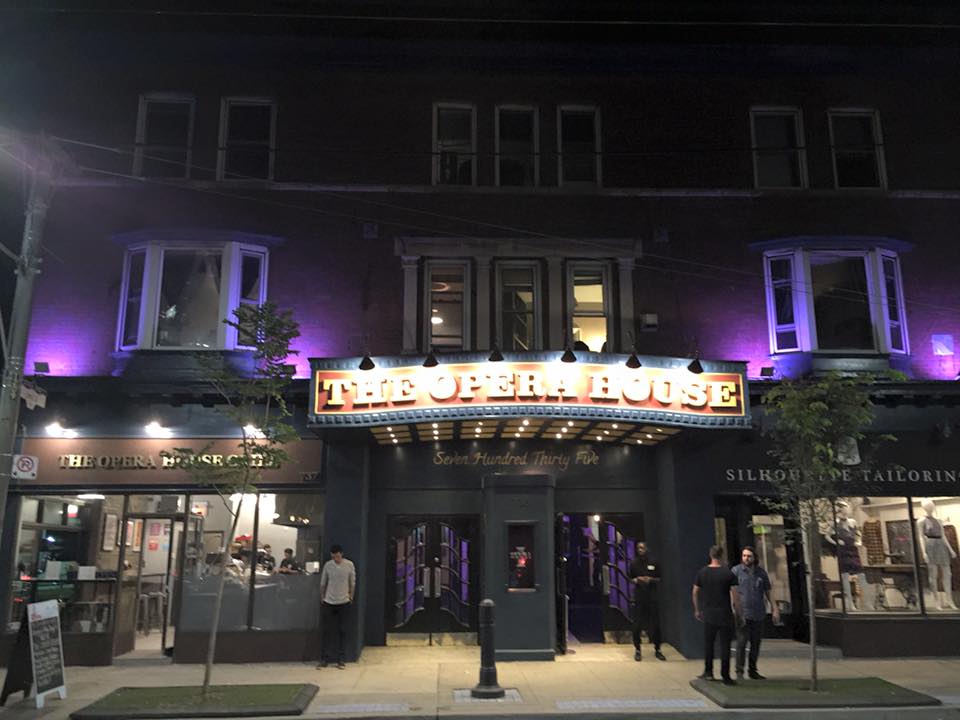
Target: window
[[447, 300], [588, 303], [164, 136], [518, 140], [247, 139], [251, 295], [857, 149], [454, 145], [518, 306], [578, 143], [779, 158], [176, 295], [835, 301]]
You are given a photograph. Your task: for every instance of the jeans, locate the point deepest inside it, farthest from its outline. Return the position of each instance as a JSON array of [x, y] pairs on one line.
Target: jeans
[[334, 629], [646, 616], [751, 631], [710, 634]]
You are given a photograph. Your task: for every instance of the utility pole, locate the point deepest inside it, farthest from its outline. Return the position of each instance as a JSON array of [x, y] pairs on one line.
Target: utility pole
[[41, 165]]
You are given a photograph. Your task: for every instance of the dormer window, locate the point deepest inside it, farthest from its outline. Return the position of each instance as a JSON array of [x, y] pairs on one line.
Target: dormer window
[[177, 293]]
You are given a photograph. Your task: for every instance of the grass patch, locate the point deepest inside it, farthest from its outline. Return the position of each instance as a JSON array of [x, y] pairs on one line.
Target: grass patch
[[189, 701], [795, 693]]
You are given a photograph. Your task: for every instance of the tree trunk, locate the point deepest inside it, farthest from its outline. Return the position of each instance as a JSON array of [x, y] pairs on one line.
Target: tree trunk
[[808, 535], [215, 623]]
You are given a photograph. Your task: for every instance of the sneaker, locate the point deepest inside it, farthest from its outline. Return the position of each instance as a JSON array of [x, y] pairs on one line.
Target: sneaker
[[729, 681], [322, 664], [754, 675], [340, 666], [637, 656], [659, 655], [706, 676]]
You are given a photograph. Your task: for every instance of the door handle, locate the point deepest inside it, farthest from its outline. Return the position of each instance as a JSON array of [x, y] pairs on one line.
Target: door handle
[[426, 582], [436, 582]]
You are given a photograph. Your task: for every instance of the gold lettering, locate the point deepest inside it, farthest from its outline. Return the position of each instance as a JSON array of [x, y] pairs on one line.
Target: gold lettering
[[694, 394], [369, 392], [529, 385], [557, 386], [168, 461], [501, 386], [335, 390], [636, 388], [723, 394], [603, 387], [663, 391], [468, 384], [403, 391]]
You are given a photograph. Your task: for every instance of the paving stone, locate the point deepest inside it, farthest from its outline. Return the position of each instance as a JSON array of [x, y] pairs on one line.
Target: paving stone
[[630, 703], [463, 696]]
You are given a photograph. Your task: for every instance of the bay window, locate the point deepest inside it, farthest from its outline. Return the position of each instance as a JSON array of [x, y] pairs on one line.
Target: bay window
[[835, 301], [518, 306], [447, 305], [175, 296], [588, 303]]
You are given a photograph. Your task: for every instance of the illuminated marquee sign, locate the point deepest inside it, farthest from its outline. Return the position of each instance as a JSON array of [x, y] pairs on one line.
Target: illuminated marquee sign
[[479, 389]]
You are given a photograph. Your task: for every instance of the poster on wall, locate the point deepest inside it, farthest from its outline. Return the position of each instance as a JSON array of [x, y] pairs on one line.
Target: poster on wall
[[520, 557], [111, 523], [137, 535]]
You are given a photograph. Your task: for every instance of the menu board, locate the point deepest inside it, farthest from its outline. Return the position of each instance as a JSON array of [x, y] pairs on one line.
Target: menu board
[[46, 649]]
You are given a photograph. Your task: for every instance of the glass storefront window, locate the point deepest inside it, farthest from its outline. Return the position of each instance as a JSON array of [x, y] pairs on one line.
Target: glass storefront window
[[936, 532], [771, 550], [288, 562]]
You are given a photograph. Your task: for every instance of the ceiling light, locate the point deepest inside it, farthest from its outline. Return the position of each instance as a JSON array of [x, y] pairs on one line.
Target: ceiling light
[[477, 430], [516, 434], [389, 429], [91, 496], [596, 518], [526, 422], [395, 441], [569, 423], [695, 367], [367, 363], [559, 435], [615, 426], [563, 429], [156, 430], [599, 437], [436, 425], [568, 356], [392, 435], [639, 441], [436, 320], [606, 432], [495, 355]]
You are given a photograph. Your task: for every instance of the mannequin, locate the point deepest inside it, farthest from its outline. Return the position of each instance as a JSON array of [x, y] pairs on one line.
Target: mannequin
[[848, 558], [937, 554]]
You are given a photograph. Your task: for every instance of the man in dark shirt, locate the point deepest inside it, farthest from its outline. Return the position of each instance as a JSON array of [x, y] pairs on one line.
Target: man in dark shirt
[[754, 588], [289, 566], [715, 601], [645, 574]]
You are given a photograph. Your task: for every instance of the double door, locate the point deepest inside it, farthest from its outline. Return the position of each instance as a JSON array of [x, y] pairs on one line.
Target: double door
[[433, 575]]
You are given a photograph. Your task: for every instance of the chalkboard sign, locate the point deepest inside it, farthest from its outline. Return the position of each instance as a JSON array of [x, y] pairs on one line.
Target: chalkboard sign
[[46, 649]]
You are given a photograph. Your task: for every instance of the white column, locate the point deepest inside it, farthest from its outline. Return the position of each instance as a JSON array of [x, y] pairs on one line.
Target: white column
[[483, 303], [411, 294], [626, 267], [555, 319]]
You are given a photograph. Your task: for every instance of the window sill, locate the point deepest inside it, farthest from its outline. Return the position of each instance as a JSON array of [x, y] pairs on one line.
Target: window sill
[[152, 365], [797, 364]]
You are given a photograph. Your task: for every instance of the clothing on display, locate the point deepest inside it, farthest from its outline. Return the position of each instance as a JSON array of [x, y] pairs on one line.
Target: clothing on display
[[873, 542], [848, 553], [951, 532]]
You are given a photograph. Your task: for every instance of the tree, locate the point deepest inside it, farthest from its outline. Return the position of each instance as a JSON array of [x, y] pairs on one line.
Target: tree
[[255, 402], [812, 421]]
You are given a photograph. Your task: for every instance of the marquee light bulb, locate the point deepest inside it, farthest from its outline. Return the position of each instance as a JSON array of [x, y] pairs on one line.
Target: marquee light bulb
[[525, 422]]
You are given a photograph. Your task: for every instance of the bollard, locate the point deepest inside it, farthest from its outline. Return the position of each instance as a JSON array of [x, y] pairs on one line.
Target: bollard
[[487, 687]]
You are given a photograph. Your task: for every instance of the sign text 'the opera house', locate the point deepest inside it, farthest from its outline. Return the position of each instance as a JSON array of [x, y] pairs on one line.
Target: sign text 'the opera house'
[[339, 392]]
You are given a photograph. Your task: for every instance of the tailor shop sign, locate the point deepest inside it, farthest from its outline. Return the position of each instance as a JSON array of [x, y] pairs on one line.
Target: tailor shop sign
[[379, 394], [110, 461], [879, 480]]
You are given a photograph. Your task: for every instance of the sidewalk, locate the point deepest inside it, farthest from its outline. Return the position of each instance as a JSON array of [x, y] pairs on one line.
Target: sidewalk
[[597, 681]]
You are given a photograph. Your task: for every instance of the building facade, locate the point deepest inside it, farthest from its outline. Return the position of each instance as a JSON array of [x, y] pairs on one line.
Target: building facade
[[727, 207]]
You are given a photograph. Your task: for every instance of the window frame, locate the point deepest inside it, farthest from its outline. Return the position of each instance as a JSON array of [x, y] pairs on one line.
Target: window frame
[[878, 151], [226, 103], [537, 311], [800, 150], [451, 105], [803, 306], [597, 145], [231, 253], [141, 131], [590, 265], [427, 325], [534, 110]]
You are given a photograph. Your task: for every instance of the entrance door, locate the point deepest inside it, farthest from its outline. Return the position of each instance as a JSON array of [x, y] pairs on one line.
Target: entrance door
[[433, 577]]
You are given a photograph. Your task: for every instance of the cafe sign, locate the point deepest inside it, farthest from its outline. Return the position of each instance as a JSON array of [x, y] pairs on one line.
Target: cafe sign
[[661, 390]]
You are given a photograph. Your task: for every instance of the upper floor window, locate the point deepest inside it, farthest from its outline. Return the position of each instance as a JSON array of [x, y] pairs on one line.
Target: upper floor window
[[588, 303], [857, 145], [518, 151], [578, 143], [835, 301], [247, 138], [454, 144], [518, 306], [447, 305], [164, 136], [779, 158], [176, 295]]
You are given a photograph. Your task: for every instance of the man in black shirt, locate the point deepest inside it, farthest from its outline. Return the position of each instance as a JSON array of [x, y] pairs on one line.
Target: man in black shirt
[[715, 601], [289, 566], [645, 574]]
